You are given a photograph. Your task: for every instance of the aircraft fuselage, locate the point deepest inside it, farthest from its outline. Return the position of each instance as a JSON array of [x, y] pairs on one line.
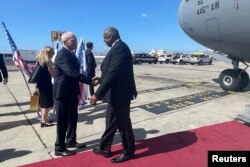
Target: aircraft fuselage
[[221, 25]]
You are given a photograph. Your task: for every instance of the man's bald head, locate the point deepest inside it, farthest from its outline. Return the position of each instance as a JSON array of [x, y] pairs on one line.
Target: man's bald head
[[69, 41]]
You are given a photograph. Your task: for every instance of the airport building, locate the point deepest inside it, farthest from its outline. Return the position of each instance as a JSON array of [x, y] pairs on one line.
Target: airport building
[[6, 55]]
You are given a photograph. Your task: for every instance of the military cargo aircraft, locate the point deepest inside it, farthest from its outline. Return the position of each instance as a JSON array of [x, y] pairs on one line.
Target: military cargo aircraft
[[223, 26]]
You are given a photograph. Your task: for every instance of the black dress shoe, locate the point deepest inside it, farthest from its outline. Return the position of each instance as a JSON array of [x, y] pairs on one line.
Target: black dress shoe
[[122, 158], [64, 153], [105, 153], [75, 145], [43, 124]]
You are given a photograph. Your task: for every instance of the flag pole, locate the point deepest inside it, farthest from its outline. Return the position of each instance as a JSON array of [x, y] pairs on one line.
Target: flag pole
[[21, 64], [14, 58]]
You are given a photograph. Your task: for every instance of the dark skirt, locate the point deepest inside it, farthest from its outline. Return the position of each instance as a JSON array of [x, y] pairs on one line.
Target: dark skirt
[[46, 97], [45, 89]]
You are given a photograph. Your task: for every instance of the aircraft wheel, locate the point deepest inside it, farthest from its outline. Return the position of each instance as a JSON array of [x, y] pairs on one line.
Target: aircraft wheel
[[245, 79], [230, 80]]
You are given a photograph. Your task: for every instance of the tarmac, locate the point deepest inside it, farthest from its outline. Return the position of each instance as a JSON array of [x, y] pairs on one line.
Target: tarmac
[[171, 98]]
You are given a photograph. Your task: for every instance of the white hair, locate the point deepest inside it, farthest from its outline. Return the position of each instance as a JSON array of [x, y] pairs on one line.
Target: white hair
[[67, 39], [67, 35]]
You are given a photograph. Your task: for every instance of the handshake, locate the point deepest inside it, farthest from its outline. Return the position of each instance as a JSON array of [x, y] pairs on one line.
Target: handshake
[[95, 82]]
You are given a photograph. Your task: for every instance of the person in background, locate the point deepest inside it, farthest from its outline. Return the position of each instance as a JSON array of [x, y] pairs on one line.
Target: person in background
[[3, 71], [44, 85], [117, 88], [66, 91], [91, 64]]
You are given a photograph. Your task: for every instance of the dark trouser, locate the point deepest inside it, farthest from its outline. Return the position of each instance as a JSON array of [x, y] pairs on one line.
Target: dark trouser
[[67, 116], [91, 89], [118, 117]]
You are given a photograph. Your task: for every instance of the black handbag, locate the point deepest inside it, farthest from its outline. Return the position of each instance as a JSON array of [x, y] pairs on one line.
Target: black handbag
[[35, 76]]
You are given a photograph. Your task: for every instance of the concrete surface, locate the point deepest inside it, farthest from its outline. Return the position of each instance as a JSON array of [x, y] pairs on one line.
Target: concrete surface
[[171, 98]]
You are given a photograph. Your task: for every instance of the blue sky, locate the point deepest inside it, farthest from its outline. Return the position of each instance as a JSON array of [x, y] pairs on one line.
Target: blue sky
[[143, 24]]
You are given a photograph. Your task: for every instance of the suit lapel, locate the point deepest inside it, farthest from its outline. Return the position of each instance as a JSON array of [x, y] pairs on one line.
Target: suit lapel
[[106, 60], [108, 56]]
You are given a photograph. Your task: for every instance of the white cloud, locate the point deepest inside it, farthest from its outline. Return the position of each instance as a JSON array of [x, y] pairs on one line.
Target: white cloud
[[144, 15]]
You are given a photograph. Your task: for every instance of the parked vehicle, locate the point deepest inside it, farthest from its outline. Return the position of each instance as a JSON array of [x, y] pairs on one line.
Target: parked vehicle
[[200, 59], [181, 59], [165, 58], [158, 53], [139, 58]]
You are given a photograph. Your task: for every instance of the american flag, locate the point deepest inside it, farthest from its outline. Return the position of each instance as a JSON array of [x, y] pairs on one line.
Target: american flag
[[80, 54], [25, 67]]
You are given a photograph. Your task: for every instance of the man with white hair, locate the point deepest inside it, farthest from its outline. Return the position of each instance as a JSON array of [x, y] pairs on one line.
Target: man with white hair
[[66, 91]]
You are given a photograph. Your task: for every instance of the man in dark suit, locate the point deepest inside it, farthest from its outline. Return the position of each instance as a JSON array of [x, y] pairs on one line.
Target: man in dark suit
[[3, 71], [91, 64], [117, 88], [66, 91]]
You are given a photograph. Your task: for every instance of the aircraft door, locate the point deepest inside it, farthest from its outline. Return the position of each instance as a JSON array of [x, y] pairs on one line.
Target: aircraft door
[[213, 29]]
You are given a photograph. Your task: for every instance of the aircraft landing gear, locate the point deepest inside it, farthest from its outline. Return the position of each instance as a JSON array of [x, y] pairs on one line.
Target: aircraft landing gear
[[234, 79], [244, 79], [230, 80]]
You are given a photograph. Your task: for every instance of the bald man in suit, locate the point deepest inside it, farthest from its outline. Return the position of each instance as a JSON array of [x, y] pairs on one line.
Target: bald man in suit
[[66, 91]]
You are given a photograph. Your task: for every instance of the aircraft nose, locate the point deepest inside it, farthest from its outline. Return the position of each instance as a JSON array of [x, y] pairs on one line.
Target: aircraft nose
[[180, 14]]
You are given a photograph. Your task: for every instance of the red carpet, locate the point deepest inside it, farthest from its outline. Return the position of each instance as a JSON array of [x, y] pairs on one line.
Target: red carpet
[[182, 149]]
